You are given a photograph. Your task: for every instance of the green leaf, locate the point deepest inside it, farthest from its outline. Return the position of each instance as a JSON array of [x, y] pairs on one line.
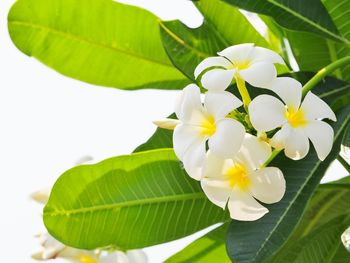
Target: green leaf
[[313, 52], [231, 26], [186, 47], [207, 249], [320, 246], [258, 241], [309, 16], [346, 138], [97, 41], [329, 202], [128, 202]]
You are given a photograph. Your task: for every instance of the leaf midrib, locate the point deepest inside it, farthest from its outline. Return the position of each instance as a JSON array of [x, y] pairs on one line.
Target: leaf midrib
[[292, 12], [90, 42], [162, 199], [297, 194]]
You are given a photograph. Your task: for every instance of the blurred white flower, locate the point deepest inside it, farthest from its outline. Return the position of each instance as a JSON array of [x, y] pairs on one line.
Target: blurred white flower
[[51, 249], [345, 238], [201, 123], [168, 124], [254, 65], [239, 180], [299, 122], [41, 196], [131, 256]]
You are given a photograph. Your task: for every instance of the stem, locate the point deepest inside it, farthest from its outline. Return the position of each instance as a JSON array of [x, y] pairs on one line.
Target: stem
[[274, 153], [344, 163], [324, 72], [243, 91]]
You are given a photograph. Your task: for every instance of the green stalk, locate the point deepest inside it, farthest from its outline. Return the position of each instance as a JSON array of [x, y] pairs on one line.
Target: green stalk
[[344, 163], [274, 153], [324, 72]]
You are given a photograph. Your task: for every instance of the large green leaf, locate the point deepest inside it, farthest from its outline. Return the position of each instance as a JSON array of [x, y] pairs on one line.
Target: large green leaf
[[346, 139], [300, 15], [186, 47], [323, 245], [97, 41], [207, 249], [313, 52], [258, 241], [128, 202], [330, 202]]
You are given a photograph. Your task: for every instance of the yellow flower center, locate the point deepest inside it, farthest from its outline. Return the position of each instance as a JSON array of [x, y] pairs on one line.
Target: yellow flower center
[[295, 117], [86, 259], [237, 176], [240, 65], [208, 127]]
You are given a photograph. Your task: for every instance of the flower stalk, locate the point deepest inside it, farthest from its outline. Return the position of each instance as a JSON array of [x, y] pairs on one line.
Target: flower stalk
[[243, 91], [324, 72]]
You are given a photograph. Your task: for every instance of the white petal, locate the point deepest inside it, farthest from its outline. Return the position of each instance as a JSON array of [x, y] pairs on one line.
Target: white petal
[[321, 135], [167, 123], [217, 79], [41, 196], [217, 195], [211, 62], [184, 136], [297, 144], [278, 141], [193, 159], [215, 166], [254, 152], [244, 207], [268, 185], [266, 113], [237, 53], [221, 103], [289, 90], [315, 108], [188, 101], [227, 139], [267, 55], [136, 256], [114, 257], [259, 74]]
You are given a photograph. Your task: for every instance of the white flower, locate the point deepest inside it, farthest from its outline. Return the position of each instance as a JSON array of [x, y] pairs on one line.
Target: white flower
[[131, 256], [201, 123], [253, 64], [51, 249], [299, 122], [168, 124], [239, 180]]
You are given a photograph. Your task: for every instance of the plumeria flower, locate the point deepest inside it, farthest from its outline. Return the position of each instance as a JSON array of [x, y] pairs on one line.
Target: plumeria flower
[[202, 123], [246, 62], [237, 181], [298, 121], [131, 256], [51, 249]]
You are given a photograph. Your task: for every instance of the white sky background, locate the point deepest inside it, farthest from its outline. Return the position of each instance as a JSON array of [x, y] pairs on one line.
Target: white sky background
[[49, 121]]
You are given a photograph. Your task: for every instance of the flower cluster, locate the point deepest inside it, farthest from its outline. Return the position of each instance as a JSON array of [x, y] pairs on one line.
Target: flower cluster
[[228, 148]]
